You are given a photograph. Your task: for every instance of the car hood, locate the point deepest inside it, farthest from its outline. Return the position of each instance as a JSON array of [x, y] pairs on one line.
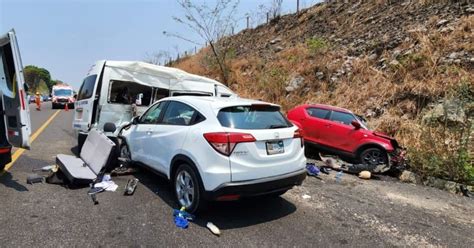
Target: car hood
[[382, 135]]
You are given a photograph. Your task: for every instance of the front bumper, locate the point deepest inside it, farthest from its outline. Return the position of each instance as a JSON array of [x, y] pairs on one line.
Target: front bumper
[[258, 187]]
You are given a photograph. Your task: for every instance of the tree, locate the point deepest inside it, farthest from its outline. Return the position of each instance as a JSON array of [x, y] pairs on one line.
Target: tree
[[211, 24], [33, 76]]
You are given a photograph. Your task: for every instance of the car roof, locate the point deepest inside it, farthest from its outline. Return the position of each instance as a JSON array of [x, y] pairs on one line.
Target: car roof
[[329, 107], [217, 102]]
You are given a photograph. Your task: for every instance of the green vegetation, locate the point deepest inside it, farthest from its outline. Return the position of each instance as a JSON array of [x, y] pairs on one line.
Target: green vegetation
[[38, 79], [316, 45]]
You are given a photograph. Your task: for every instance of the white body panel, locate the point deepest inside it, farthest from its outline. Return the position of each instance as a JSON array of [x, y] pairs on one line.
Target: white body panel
[[12, 93]]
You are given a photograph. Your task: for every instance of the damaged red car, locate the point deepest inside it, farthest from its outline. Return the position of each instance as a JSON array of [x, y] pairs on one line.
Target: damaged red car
[[338, 131]]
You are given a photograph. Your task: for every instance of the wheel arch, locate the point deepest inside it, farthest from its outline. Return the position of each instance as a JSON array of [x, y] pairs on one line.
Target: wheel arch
[[180, 159]]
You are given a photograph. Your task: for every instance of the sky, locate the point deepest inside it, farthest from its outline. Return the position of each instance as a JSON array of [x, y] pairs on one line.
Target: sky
[[67, 36]]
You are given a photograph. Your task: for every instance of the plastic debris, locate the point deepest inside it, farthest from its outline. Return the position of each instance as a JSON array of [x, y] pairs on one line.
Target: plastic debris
[[338, 177], [325, 170], [131, 186], [465, 191], [182, 218], [47, 168], [305, 196], [34, 178], [213, 228], [365, 175], [312, 170]]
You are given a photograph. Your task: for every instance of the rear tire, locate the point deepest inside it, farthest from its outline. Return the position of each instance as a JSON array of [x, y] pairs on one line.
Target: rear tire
[[188, 189]]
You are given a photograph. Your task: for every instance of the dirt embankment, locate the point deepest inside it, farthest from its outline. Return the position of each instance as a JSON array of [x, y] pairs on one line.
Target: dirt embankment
[[394, 63]]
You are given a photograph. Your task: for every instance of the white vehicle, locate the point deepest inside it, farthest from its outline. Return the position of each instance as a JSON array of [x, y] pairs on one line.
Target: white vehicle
[[214, 148], [62, 95], [15, 126], [111, 87]]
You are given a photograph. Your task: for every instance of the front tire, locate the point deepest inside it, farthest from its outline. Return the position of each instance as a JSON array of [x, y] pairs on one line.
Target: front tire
[[188, 189], [376, 158]]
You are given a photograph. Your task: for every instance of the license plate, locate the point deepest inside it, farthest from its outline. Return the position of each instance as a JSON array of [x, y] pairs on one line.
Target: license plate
[[275, 147]]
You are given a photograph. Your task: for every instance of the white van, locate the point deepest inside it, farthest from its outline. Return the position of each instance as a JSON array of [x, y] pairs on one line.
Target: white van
[[15, 126], [116, 91]]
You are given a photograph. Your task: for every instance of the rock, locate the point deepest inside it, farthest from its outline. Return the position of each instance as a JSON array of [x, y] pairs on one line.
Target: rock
[[470, 10], [453, 55], [294, 83], [449, 111], [451, 187], [396, 53], [276, 40], [442, 22], [365, 175], [373, 56], [278, 49], [319, 75], [457, 61], [408, 177], [394, 63]]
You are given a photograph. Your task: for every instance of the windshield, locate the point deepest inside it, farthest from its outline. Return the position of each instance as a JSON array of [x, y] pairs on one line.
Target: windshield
[[253, 117], [62, 92]]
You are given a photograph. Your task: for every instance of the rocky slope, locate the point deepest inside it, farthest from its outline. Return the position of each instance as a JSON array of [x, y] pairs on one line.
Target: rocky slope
[[407, 66]]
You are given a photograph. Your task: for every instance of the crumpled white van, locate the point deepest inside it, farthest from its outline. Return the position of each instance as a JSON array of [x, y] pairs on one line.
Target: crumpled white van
[[214, 148]]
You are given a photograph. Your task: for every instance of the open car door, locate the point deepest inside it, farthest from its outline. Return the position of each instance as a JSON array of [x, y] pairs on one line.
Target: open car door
[[16, 114]]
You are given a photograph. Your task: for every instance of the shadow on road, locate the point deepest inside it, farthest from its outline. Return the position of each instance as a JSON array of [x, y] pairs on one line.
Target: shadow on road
[[7, 180], [225, 215]]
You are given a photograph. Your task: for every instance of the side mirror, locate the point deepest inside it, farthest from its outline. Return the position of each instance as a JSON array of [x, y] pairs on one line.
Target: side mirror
[[356, 124], [109, 127], [135, 120]]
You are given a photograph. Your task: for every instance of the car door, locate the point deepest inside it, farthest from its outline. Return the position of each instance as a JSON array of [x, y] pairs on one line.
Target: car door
[[315, 124], [341, 134], [141, 131], [12, 93], [166, 139]]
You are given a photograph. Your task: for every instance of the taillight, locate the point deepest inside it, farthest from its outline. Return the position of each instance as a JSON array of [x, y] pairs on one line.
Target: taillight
[[225, 142], [299, 135]]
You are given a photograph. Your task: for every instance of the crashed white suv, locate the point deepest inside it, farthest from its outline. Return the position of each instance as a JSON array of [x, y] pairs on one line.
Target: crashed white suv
[[214, 148]]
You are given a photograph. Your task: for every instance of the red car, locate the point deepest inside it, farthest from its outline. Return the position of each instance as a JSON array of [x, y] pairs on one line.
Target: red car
[[338, 131]]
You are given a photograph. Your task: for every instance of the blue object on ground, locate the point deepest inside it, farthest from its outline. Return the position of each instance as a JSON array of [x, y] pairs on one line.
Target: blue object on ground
[[181, 222], [311, 169]]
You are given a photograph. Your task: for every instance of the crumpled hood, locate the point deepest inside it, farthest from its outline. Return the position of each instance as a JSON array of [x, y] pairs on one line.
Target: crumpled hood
[[385, 136]]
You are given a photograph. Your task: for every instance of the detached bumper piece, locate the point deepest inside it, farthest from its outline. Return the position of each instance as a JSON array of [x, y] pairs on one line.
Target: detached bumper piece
[[235, 190]]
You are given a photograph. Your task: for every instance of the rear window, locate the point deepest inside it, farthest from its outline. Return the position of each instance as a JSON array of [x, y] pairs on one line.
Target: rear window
[[87, 87], [253, 117]]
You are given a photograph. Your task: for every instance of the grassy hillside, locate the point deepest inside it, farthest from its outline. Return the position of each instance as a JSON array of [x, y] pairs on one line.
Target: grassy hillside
[[407, 66]]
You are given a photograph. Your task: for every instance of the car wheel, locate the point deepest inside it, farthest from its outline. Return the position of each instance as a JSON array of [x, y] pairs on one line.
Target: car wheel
[[373, 157], [125, 151], [188, 189]]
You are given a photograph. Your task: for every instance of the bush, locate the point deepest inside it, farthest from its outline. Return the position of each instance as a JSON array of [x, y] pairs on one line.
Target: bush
[[316, 45]]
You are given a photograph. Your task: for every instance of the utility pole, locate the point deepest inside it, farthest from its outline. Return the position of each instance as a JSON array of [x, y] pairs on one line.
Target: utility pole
[[268, 16], [297, 6], [248, 21]]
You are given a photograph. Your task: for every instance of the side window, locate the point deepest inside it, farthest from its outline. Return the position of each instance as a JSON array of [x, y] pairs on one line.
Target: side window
[[161, 93], [87, 88], [178, 113], [123, 92], [152, 115], [318, 113], [341, 117]]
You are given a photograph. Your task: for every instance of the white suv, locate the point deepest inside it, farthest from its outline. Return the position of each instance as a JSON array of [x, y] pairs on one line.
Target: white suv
[[214, 148]]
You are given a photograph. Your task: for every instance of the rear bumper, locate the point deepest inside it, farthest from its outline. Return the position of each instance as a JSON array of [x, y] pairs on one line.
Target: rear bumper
[[259, 186]]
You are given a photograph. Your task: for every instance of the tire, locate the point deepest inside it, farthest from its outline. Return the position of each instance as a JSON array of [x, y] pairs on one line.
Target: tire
[[188, 189], [53, 106], [124, 151], [373, 157]]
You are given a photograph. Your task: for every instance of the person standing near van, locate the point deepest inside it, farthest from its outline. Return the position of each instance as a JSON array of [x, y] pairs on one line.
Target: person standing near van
[[38, 101]]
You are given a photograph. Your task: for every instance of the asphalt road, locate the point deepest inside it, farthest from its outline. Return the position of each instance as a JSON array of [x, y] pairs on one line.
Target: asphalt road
[[352, 213]]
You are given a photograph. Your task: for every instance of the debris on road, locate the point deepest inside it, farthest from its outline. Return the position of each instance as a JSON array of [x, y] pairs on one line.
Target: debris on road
[[48, 168], [131, 186], [365, 175], [213, 228], [312, 170], [34, 178], [465, 191], [339, 176], [182, 218], [108, 185]]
